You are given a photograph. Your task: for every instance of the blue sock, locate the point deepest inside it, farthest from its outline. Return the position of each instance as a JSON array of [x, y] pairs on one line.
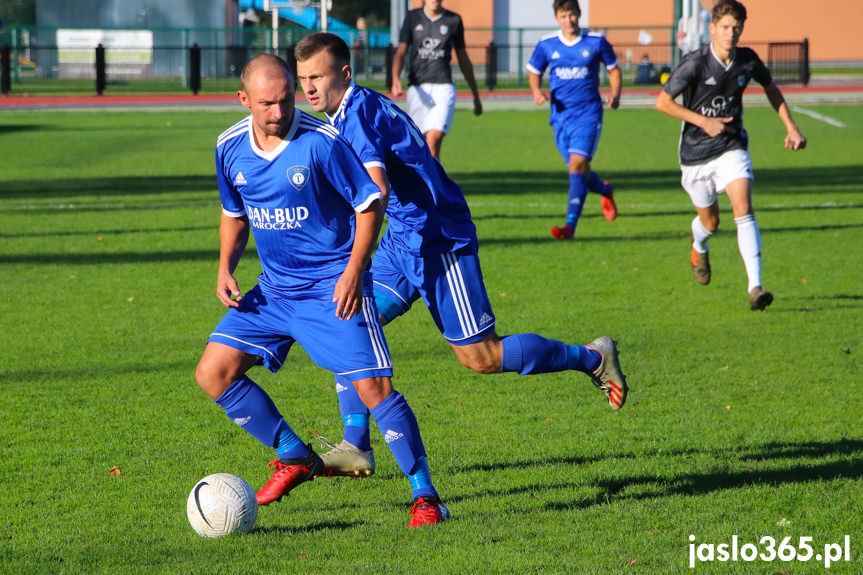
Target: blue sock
[[577, 195], [421, 482], [596, 185], [528, 354], [580, 358], [251, 408], [290, 446], [402, 434], [355, 414]]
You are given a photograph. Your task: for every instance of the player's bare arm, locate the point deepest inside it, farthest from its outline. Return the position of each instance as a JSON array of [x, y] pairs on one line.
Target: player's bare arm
[[466, 67], [535, 83], [711, 126], [794, 140], [615, 80], [398, 66], [379, 176], [348, 294], [233, 237]]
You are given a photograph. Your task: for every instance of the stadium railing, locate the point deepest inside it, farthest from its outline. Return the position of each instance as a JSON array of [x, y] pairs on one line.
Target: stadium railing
[[210, 60]]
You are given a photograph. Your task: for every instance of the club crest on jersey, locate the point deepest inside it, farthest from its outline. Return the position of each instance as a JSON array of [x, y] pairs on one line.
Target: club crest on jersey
[[298, 176], [444, 29], [741, 80], [585, 53]]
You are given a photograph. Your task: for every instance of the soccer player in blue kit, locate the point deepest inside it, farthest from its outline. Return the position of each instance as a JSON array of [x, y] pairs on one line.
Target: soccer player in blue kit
[[429, 249], [315, 215], [572, 57], [713, 148]]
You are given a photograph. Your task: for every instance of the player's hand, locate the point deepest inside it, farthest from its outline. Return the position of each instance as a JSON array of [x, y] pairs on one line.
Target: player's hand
[[477, 106], [715, 126], [348, 295], [227, 290], [540, 98], [397, 88], [612, 101], [795, 141]]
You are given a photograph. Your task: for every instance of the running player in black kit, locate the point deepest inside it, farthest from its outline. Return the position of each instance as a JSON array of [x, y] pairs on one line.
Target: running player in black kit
[[713, 144], [432, 33]]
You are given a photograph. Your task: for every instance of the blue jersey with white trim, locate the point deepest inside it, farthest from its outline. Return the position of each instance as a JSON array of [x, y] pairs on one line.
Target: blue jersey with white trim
[[427, 211], [300, 200], [573, 77]]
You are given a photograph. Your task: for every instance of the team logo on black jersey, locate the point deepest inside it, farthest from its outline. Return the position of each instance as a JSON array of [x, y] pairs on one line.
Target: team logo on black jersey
[[741, 80], [298, 176], [444, 29]]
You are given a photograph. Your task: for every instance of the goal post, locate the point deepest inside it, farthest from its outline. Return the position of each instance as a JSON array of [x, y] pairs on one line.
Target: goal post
[[273, 7]]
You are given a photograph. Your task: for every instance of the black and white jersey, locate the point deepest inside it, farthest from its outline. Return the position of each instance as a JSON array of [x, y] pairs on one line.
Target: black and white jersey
[[431, 43], [711, 89]]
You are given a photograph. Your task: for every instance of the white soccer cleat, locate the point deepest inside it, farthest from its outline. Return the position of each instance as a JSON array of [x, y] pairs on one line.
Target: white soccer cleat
[[346, 459], [608, 376]]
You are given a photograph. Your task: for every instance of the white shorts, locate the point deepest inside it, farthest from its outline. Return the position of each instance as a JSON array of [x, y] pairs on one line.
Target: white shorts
[[432, 106], [704, 182]]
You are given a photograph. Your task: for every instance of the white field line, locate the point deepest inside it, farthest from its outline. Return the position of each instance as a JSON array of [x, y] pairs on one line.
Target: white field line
[[817, 116]]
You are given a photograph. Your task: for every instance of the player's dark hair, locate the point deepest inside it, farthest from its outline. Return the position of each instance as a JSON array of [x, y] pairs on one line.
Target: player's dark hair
[[726, 7], [314, 43], [261, 61], [571, 5]]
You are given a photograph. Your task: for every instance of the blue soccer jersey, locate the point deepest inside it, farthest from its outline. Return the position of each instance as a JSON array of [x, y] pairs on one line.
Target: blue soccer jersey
[[297, 199], [427, 211], [573, 77]]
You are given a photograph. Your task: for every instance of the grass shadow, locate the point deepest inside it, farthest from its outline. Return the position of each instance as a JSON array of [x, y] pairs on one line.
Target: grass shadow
[[801, 180], [657, 485]]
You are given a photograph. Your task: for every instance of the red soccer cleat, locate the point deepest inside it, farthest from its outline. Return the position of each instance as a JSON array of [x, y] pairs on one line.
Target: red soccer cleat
[[428, 511], [288, 474], [563, 232], [609, 208]]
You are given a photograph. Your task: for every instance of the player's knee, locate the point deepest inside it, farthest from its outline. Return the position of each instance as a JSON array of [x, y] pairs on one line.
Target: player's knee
[[480, 364], [212, 380]]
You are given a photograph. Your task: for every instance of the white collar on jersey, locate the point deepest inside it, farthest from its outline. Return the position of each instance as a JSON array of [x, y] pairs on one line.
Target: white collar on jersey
[[270, 156], [436, 18], [340, 111], [581, 34], [721, 63]]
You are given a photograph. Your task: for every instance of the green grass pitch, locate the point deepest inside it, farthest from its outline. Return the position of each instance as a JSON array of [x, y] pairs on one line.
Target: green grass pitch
[[738, 423]]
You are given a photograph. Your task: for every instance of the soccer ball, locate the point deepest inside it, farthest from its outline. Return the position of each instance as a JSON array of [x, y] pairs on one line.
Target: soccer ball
[[221, 504]]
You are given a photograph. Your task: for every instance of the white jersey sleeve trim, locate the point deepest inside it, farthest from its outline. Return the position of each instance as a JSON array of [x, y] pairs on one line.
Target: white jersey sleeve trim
[[231, 214], [375, 164], [365, 205], [534, 70]]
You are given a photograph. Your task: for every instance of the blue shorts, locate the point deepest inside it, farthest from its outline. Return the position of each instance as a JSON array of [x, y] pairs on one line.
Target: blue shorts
[[268, 326], [450, 284], [579, 138]]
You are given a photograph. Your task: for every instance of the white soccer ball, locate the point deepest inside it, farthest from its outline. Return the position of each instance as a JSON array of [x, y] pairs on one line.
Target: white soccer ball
[[221, 504]]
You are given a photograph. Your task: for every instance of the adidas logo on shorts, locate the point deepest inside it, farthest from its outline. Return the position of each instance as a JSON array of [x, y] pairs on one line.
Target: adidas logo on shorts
[[241, 421], [340, 388]]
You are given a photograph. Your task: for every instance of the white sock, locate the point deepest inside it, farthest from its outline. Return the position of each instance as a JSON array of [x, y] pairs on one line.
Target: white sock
[[749, 243], [700, 236]]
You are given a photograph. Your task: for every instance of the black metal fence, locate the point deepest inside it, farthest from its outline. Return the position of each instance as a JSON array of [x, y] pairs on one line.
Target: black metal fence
[[216, 69], [789, 62]]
